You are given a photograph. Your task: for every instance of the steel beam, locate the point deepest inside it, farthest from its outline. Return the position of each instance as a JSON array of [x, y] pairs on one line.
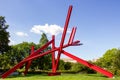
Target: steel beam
[[31, 57], [53, 54], [29, 62], [63, 35], [72, 35], [86, 63]]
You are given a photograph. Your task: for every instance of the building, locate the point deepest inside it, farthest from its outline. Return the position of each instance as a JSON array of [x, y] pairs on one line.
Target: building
[[69, 60]]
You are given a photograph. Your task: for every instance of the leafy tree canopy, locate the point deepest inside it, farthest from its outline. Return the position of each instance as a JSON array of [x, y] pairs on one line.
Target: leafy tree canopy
[[4, 35]]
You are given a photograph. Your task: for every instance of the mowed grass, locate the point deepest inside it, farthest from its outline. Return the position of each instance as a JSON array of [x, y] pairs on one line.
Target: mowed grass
[[61, 77]]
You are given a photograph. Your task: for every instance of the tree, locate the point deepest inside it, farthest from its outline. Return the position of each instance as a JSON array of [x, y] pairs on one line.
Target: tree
[[110, 60], [77, 67], [67, 65], [44, 62], [5, 61], [4, 36], [20, 51], [43, 39], [16, 54], [116, 63], [61, 65]]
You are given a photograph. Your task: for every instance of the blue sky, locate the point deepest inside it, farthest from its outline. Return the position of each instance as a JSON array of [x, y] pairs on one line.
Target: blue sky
[[97, 21]]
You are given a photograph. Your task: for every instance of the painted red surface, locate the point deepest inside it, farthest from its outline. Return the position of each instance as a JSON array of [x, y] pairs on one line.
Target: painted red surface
[[35, 54]]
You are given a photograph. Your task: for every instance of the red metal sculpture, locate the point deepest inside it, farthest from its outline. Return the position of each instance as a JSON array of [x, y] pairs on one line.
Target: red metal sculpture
[[35, 53]]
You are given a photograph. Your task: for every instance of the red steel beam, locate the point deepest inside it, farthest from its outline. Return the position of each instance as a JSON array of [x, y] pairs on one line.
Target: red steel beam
[[92, 66], [35, 54], [23, 61], [31, 57], [26, 60], [45, 53], [44, 46], [29, 62], [12, 70], [66, 53], [40, 49], [64, 34], [72, 35], [53, 54]]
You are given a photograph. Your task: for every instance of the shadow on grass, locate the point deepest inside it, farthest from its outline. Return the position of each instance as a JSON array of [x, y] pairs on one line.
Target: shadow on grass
[[97, 75], [28, 75]]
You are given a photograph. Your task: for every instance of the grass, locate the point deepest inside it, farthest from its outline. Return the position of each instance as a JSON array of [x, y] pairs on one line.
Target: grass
[[61, 77]]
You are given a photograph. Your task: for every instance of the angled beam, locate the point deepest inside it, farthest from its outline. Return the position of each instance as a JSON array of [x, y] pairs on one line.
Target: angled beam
[[12, 70], [45, 53], [24, 60], [44, 46], [40, 49], [53, 54], [29, 62], [65, 27], [86, 63], [72, 35], [33, 56], [64, 34], [76, 43]]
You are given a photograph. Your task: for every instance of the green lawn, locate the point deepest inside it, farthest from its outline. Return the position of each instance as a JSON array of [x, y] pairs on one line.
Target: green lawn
[[61, 77]]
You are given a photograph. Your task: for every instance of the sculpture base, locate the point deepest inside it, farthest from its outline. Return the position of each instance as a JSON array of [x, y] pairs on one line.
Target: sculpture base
[[54, 74]]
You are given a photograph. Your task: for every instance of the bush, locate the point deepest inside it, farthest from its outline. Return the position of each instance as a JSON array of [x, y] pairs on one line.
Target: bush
[[77, 67], [61, 65], [118, 72], [67, 65]]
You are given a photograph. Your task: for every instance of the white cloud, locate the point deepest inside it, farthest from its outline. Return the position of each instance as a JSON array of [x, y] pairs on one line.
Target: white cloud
[[48, 29], [22, 34], [11, 42]]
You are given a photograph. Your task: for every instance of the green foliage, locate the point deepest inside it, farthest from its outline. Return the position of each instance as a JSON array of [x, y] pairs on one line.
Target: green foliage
[[4, 36], [116, 62], [107, 60], [15, 55], [64, 65], [4, 61], [43, 39], [67, 65], [74, 67], [44, 62], [61, 65], [20, 51], [77, 67], [110, 61], [118, 72]]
